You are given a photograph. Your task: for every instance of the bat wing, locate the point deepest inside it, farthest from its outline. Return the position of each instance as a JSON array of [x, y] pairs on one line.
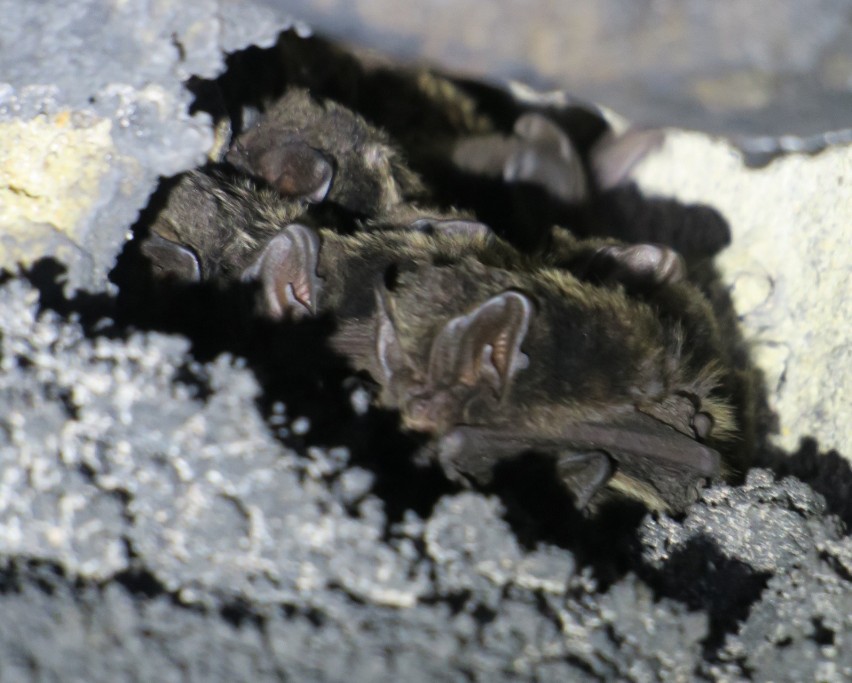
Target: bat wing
[[634, 447], [634, 439]]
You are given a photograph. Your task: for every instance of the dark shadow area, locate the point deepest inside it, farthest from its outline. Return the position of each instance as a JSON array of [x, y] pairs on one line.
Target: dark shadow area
[[826, 472], [43, 575], [695, 230], [240, 614], [141, 583], [702, 577], [540, 508], [94, 311]]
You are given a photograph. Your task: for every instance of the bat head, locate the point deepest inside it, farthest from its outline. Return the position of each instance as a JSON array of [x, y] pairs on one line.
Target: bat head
[[320, 151]]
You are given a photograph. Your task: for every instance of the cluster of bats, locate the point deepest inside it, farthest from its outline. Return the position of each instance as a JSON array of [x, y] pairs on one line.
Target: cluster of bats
[[495, 340]]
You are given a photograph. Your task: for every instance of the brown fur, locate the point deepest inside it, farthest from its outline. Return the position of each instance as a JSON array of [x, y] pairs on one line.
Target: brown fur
[[597, 355], [369, 176]]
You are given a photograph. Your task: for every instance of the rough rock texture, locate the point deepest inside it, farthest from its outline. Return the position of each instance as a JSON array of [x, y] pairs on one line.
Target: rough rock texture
[[93, 110], [153, 526], [790, 269], [164, 518]]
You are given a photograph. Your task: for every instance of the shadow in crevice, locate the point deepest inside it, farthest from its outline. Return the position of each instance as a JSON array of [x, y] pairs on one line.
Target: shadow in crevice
[[827, 472], [93, 311], [539, 508], [46, 576], [704, 578]]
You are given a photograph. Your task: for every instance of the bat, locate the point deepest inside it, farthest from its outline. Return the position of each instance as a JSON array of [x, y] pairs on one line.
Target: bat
[[212, 225], [598, 353], [319, 151], [495, 355]]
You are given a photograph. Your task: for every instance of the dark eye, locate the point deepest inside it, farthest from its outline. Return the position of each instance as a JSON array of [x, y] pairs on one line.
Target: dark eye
[[702, 424]]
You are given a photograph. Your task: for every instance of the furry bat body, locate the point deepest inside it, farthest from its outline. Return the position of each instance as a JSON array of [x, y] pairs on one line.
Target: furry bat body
[[496, 355], [214, 223]]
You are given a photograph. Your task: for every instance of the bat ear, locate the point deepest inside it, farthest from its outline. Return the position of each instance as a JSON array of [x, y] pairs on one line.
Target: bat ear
[[287, 270], [614, 157], [388, 349], [639, 265], [584, 474], [484, 345], [297, 170], [170, 259], [547, 158], [540, 130]]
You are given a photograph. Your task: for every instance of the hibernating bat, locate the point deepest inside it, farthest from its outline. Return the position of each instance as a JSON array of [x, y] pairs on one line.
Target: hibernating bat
[[214, 222], [495, 354], [520, 163], [321, 151]]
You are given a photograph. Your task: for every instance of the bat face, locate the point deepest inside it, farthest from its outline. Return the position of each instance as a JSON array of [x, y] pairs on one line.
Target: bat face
[[497, 360], [212, 225], [324, 152]]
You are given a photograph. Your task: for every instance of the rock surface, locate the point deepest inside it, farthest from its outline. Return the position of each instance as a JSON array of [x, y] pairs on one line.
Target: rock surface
[[152, 522], [166, 515], [789, 268]]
